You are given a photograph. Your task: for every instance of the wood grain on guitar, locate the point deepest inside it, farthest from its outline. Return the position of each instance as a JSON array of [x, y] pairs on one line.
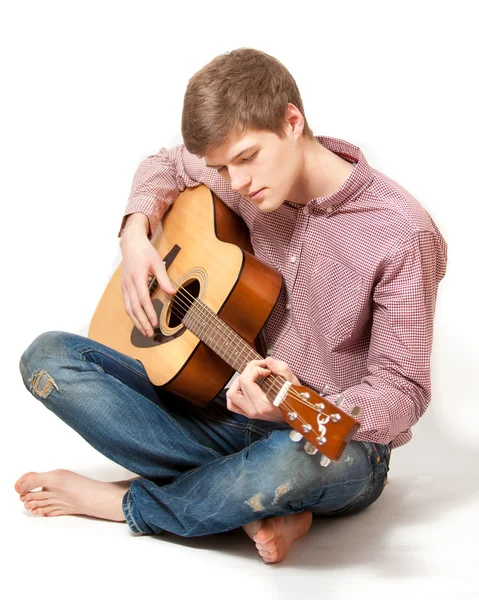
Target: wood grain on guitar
[[206, 331]]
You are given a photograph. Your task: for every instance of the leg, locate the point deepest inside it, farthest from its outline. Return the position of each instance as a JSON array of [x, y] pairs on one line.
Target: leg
[[204, 482], [274, 536], [273, 477], [108, 399]]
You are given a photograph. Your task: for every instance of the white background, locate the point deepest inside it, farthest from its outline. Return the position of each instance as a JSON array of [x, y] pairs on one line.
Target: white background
[[89, 89]]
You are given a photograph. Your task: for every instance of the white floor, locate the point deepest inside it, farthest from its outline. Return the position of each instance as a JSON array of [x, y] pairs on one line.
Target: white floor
[[419, 539]]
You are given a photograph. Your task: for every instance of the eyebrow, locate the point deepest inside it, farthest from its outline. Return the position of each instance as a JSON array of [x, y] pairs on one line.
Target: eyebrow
[[237, 156]]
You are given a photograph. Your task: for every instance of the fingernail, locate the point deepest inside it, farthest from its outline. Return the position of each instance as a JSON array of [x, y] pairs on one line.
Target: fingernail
[[23, 487]]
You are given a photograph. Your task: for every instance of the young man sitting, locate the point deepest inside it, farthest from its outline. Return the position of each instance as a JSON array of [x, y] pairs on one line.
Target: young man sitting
[[361, 261]]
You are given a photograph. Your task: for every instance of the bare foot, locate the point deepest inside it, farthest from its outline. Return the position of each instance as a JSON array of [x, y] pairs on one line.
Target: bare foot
[[273, 537], [67, 493]]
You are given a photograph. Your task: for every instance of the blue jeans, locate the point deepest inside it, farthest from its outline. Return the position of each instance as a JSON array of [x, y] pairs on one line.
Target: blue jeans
[[203, 470]]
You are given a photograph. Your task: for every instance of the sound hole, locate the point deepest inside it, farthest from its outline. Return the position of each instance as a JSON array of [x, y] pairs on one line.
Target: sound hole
[[182, 301]]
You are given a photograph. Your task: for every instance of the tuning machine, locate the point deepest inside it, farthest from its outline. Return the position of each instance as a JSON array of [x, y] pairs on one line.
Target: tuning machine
[[295, 436], [310, 449]]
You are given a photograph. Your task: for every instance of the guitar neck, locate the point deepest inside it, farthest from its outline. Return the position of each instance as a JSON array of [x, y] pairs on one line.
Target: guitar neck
[[226, 343]]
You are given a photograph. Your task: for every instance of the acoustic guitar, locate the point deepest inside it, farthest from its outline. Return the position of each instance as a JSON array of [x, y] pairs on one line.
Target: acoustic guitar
[[207, 329]]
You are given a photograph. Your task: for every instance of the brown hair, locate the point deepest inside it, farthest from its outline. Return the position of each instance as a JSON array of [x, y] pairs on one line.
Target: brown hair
[[244, 88]]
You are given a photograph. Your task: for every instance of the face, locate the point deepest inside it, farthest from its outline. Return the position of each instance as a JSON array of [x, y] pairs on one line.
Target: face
[[260, 165]]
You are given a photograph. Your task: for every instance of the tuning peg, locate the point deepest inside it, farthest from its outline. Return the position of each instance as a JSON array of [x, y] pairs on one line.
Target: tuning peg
[[324, 462], [324, 391], [310, 449], [356, 412], [295, 436], [339, 400]]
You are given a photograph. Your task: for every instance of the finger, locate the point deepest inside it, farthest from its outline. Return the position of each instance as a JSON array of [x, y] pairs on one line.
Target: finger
[[163, 279], [129, 311], [247, 380], [147, 305], [138, 311], [236, 402], [279, 367]]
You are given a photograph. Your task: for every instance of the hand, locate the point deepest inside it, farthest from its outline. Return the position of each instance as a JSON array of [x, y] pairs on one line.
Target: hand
[[141, 261], [246, 398]]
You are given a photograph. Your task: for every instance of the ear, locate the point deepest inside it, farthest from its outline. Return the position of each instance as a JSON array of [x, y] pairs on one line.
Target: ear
[[294, 121]]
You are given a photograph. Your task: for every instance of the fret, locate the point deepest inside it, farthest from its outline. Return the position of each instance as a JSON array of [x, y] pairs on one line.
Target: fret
[[271, 385], [227, 344], [217, 335]]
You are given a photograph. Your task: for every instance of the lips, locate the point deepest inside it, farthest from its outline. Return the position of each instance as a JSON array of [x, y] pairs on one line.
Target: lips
[[254, 194]]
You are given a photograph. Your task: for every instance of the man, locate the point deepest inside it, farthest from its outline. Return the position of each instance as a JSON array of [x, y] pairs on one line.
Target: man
[[361, 261]]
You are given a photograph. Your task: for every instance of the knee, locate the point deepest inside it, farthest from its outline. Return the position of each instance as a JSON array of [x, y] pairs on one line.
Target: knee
[[36, 362], [289, 478]]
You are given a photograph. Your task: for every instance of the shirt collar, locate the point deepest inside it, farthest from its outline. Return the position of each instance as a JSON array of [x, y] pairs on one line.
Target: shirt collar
[[359, 179]]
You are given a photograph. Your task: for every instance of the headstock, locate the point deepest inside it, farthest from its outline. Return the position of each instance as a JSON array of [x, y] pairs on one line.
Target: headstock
[[323, 425]]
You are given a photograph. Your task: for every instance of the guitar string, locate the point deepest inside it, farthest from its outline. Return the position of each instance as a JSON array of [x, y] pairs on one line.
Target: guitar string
[[272, 387], [210, 315], [198, 302], [193, 320]]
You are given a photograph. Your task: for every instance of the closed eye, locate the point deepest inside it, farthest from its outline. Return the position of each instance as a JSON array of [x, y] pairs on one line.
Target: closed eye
[[247, 159]]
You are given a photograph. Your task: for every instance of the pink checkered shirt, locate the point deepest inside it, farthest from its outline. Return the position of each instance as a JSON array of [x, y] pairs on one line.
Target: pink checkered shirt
[[361, 270]]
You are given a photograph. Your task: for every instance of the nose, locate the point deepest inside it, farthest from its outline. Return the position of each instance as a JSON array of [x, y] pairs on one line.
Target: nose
[[239, 180]]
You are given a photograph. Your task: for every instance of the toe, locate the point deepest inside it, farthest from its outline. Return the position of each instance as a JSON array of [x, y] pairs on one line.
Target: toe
[[37, 504], [27, 482], [265, 534], [35, 496]]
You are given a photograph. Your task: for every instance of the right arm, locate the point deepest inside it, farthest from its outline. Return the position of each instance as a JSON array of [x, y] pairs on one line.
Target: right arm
[[140, 261], [156, 184]]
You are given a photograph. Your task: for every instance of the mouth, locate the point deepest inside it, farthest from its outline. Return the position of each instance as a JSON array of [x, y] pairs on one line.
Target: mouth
[[256, 194]]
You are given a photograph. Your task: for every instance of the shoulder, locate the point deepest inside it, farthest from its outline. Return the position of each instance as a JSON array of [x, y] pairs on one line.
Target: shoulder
[[401, 211]]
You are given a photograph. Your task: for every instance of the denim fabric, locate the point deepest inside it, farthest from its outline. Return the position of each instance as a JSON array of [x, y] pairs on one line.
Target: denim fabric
[[203, 470]]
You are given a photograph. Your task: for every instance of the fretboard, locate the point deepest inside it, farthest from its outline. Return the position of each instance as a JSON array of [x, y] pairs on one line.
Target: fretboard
[[226, 343]]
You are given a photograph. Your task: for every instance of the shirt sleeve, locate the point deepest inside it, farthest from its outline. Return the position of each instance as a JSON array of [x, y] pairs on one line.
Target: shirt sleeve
[[161, 177], [396, 390]]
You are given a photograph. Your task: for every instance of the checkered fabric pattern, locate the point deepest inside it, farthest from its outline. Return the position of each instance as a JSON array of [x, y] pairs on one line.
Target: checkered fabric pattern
[[361, 270]]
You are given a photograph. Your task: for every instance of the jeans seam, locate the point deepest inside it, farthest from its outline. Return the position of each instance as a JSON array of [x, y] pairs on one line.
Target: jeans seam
[[367, 488], [222, 421], [132, 524], [186, 433], [115, 359], [183, 431]]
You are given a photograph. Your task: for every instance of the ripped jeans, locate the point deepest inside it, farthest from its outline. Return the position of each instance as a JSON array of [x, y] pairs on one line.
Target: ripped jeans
[[203, 470]]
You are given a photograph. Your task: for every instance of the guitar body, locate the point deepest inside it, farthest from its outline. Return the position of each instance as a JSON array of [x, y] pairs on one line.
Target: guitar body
[[207, 251]]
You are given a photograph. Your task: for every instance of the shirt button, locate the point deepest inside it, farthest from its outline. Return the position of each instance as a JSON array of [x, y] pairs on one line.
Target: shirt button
[[288, 306], [329, 209], [269, 351], [293, 258], [306, 210]]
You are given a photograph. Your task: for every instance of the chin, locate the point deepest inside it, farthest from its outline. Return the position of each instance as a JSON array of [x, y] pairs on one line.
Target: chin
[[268, 204]]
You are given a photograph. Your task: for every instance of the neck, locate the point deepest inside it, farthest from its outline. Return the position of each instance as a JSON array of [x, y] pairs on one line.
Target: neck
[[321, 175]]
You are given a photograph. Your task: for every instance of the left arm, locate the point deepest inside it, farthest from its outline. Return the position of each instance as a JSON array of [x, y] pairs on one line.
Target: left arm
[[396, 390]]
